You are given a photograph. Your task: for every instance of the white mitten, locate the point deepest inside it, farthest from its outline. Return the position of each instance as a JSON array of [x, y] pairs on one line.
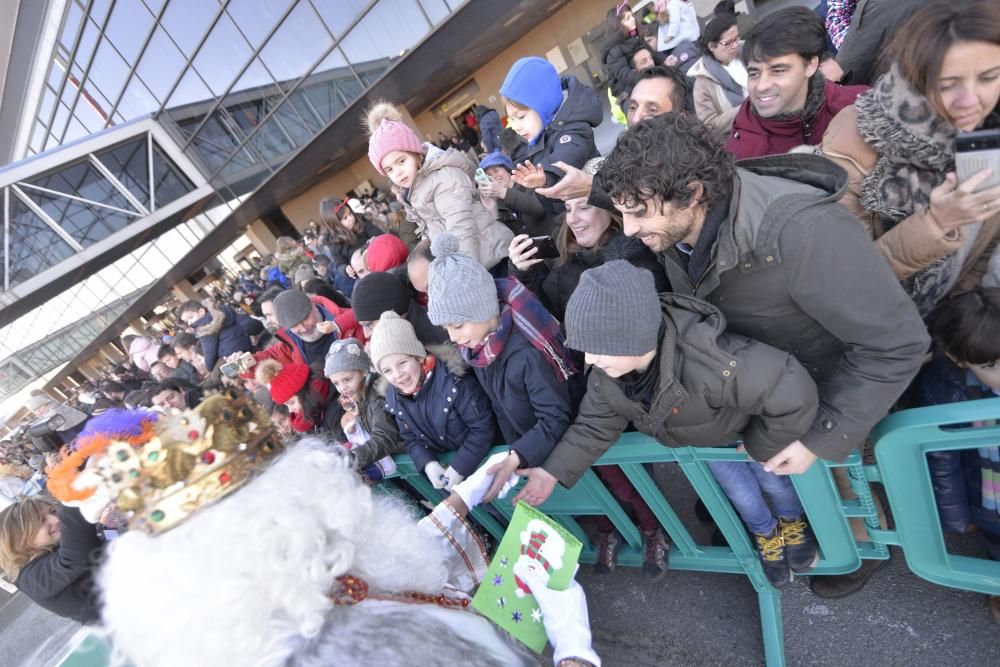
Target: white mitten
[[564, 614], [472, 490], [451, 478], [435, 473]]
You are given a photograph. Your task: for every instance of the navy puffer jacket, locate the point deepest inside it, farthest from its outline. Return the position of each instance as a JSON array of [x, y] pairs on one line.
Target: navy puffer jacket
[[222, 332]]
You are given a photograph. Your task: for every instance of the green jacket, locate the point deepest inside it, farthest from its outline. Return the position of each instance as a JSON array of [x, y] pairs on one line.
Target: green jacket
[[714, 388]]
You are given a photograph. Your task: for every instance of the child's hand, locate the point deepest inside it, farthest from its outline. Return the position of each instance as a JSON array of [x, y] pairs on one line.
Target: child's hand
[[528, 175], [328, 327], [792, 460], [539, 487], [435, 473], [451, 478]]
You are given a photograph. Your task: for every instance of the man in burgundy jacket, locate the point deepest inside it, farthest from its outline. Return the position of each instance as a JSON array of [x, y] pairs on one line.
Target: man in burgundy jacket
[[789, 103]]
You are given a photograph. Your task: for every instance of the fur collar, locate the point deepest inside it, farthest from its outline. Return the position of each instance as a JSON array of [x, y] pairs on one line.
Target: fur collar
[[216, 323], [449, 355]]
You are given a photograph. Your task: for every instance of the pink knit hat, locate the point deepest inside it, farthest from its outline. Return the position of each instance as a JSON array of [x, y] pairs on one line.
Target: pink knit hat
[[389, 133]]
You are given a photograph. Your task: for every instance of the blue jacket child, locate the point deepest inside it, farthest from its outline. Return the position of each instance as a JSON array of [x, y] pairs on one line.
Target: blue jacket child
[[515, 348], [438, 406], [555, 115]]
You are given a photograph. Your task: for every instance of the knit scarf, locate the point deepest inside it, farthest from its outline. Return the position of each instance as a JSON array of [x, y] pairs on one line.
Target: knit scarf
[[989, 465], [734, 92], [522, 310]]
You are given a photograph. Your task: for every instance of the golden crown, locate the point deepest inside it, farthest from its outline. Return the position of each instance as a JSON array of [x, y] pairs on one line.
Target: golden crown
[[193, 458]]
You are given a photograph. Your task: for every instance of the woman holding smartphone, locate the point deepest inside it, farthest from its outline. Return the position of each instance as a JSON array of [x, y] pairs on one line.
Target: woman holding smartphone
[[588, 236], [897, 144]]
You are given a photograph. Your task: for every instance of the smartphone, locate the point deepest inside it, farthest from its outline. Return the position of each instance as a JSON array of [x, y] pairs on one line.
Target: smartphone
[[481, 177], [547, 248], [231, 369], [975, 151]]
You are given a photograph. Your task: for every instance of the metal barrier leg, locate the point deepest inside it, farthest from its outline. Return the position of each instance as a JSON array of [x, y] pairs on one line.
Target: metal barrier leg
[[772, 630]]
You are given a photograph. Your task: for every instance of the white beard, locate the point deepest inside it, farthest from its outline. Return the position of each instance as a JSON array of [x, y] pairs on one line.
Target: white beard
[[246, 581]]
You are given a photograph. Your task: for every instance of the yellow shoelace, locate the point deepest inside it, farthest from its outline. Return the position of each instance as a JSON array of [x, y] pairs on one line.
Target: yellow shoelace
[[770, 547], [792, 532]]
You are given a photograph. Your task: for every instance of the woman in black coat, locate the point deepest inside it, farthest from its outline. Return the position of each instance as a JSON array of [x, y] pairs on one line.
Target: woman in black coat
[[588, 237], [49, 551], [347, 231]]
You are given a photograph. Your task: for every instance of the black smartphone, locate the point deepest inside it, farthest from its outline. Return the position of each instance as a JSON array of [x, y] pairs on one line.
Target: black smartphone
[[975, 151], [547, 248]]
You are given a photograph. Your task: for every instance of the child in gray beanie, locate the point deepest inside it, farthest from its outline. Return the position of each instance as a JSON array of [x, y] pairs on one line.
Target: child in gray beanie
[[515, 348], [372, 436], [676, 375]]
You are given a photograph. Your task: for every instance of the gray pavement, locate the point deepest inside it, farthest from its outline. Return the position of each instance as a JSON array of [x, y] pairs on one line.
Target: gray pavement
[[31, 636]]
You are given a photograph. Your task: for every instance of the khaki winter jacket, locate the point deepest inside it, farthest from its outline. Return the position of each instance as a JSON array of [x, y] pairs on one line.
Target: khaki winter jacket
[[714, 389], [710, 102], [793, 268], [917, 241], [444, 198]]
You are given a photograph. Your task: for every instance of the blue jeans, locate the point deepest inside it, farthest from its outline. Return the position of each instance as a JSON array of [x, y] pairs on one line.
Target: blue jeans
[[745, 483]]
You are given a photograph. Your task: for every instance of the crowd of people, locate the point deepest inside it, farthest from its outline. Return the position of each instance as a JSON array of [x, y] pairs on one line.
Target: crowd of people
[[777, 252]]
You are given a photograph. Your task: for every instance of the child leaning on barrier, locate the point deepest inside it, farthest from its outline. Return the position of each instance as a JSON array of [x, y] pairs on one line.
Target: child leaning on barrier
[[437, 404], [966, 366], [676, 375]]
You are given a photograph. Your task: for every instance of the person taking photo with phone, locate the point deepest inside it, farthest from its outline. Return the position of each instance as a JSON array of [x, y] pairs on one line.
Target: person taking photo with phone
[[897, 144], [588, 236]]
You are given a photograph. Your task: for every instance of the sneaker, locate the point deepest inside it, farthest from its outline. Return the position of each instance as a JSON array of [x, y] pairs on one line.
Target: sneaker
[[841, 585], [772, 557], [607, 552], [801, 548], [655, 554]]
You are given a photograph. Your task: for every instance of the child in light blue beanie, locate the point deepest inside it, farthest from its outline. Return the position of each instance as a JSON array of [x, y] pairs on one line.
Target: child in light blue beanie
[[555, 115]]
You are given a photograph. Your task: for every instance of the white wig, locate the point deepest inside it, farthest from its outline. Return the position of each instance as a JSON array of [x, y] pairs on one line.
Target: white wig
[[246, 581]]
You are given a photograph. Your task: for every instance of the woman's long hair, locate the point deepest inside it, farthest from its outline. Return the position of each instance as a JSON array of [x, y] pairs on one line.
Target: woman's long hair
[[19, 524], [566, 240], [331, 211]]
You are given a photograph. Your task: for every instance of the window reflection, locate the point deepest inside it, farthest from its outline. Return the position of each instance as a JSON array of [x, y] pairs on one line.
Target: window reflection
[[128, 27], [187, 21], [108, 71], [299, 42], [386, 32], [256, 18], [222, 56], [137, 100], [34, 247], [160, 65], [339, 14]]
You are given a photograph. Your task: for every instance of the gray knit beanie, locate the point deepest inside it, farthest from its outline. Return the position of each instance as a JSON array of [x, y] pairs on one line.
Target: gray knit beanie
[[459, 289], [346, 355], [614, 310], [394, 335]]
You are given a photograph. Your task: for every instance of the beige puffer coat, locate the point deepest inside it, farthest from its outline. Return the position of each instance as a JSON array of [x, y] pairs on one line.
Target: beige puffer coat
[[444, 198]]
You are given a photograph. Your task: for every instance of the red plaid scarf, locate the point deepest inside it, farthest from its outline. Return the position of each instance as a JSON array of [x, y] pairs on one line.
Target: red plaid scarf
[[521, 308]]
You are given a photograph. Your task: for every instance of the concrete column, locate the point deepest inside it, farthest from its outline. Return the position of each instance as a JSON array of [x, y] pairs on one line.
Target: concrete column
[[262, 239], [140, 327], [113, 353], [183, 291]]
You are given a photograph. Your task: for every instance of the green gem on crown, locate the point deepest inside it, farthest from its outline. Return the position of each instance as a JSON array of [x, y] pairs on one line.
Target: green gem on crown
[[154, 456], [157, 515]]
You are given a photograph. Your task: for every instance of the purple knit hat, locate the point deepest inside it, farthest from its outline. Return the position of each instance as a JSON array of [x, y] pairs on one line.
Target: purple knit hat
[[389, 133]]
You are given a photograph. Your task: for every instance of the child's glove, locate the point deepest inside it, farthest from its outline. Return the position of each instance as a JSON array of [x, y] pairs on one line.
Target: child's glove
[[435, 473], [451, 478], [564, 614]]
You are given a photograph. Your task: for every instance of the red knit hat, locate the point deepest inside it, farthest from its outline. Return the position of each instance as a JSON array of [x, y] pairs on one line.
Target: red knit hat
[[288, 382], [386, 251]]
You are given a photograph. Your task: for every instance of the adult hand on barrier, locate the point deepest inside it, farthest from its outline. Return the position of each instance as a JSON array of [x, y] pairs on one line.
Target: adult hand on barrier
[[575, 184], [539, 487], [792, 460]]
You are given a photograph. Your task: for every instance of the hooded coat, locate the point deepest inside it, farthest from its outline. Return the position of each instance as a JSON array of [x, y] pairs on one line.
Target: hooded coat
[[222, 332], [616, 55], [711, 105], [377, 423], [569, 137], [143, 352], [557, 286], [450, 413], [754, 136], [443, 198], [792, 268], [714, 389]]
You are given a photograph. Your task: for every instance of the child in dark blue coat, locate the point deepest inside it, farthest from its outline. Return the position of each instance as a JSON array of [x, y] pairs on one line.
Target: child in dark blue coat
[[437, 407], [515, 348], [966, 366]]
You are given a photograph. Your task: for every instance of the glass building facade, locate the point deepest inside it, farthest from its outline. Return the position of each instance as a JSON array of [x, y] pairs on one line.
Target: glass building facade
[[238, 85]]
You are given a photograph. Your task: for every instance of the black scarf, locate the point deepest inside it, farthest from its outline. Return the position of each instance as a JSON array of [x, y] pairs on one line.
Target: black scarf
[[640, 387]]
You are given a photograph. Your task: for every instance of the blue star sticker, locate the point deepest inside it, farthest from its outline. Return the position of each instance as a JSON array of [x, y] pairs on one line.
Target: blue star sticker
[[516, 617], [497, 580]]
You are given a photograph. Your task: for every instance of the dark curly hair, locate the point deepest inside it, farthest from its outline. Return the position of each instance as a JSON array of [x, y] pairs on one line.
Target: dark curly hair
[[661, 156]]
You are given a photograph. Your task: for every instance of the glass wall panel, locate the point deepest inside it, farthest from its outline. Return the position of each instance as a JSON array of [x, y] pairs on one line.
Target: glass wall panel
[[222, 56], [34, 247], [297, 45], [331, 87], [86, 223], [339, 14], [137, 100], [48, 101], [160, 65], [437, 10], [88, 40], [128, 28], [169, 182], [255, 19], [74, 14], [388, 30], [108, 71], [74, 130], [187, 21], [129, 164], [82, 180], [90, 112], [191, 89]]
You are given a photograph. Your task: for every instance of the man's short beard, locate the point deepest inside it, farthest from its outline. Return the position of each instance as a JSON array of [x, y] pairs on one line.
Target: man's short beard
[[312, 337]]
